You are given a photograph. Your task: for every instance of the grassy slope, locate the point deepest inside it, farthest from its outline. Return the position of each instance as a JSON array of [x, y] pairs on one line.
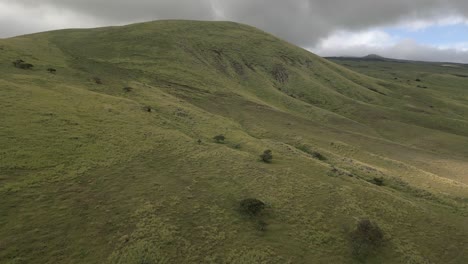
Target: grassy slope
[[88, 176]]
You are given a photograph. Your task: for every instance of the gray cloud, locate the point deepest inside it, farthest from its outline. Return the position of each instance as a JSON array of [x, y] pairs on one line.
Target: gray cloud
[[300, 21], [12, 26], [303, 22], [123, 11]]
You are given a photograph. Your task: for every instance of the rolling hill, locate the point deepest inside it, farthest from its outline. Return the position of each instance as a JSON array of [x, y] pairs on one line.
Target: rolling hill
[[108, 153]]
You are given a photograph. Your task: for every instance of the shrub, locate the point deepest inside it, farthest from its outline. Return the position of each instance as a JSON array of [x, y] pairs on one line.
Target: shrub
[[26, 66], [378, 181], [148, 109], [51, 70], [314, 154], [128, 89], [21, 64], [318, 156], [267, 156], [366, 238], [219, 138], [17, 62], [252, 206]]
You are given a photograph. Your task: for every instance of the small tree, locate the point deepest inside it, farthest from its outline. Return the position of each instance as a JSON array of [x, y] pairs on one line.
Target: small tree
[[267, 156], [252, 206], [219, 138], [365, 238]]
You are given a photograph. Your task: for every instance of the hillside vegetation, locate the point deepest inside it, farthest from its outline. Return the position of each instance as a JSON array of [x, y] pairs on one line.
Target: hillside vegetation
[[108, 152]]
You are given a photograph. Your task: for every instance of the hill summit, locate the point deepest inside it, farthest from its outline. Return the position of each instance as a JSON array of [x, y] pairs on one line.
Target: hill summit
[[215, 142], [374, 57]]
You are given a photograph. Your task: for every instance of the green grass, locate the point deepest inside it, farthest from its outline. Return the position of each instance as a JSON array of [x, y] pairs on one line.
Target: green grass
[[87, 175]]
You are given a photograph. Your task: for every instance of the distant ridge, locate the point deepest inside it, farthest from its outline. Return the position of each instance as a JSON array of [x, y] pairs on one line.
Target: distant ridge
[[370, 57], [376, 57]]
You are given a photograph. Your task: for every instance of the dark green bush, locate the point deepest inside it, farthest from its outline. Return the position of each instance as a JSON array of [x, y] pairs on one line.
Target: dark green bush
[[314, 154], [18, 62], [267, 156], [378, 181], [366, 238], [252, 206], [26, 66], [219, 138], [318, 156], [21, 64]]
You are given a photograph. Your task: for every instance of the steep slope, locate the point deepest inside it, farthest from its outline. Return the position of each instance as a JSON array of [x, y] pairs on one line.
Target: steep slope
[[92, 172]]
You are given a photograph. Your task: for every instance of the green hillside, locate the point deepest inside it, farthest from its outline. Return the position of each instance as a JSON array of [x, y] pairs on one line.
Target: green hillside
[[111, 159]]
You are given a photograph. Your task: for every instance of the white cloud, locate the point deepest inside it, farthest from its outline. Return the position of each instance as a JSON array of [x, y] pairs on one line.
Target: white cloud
[[379, 42], [373, 38], [460, 46]]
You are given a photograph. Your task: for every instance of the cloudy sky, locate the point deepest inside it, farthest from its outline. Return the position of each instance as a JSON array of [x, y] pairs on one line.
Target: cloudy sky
[[434, 30]]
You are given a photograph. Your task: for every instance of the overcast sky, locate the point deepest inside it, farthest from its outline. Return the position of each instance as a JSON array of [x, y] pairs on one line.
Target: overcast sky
[[434, 30]]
